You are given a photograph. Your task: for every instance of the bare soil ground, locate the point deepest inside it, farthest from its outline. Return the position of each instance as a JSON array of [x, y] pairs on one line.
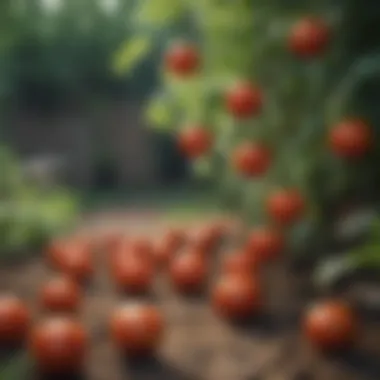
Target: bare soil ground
[[198, 346]]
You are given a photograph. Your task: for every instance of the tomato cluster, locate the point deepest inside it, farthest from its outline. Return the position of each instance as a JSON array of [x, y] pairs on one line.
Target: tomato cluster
[[59, 343]]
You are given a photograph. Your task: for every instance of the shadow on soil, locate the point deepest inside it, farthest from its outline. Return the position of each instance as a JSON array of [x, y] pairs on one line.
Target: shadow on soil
[[152, 368], [364, 364], [268, 324]]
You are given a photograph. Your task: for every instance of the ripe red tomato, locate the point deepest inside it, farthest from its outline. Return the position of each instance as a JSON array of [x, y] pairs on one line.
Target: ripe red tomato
[[61, 294], [330, 325], [244, 100], [112, 241], [236, 296], [14, 320], [195, 141], [76, 262], [251, 160], [265, 243], [182, 59], [240, 262], [140, 246], [285, 206], [309, 37], [350, 138], [206, 239], [137, 329], [188, 271], [58, 345], [175, 238], [167, 246], [133, 274]]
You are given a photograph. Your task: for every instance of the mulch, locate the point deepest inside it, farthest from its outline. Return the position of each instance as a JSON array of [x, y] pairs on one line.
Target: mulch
[[199, 346]]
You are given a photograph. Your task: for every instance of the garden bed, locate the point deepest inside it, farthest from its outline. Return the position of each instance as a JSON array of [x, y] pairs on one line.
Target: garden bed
[[198, 345]]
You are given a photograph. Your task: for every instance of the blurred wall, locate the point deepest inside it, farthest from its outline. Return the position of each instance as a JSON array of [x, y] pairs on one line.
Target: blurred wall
[[77, 136]]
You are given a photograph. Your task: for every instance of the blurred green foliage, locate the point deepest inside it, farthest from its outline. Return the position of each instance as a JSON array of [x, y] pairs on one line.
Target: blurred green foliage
[[51, 56], [29, 214]]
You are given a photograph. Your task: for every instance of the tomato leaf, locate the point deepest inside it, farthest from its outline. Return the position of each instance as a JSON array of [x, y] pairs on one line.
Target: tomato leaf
[[130, 54]]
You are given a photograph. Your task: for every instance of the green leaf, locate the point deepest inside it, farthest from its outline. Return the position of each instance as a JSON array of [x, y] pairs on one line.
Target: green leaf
[[158, 114], [330, 271], [159, 13], [203, 167], [130, 54]]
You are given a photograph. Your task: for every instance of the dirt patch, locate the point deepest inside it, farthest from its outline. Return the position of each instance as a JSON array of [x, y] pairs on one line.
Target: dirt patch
[[199, 346]]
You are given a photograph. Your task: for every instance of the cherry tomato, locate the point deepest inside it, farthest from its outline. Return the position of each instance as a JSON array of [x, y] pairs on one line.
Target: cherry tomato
[[243, 100], [133, 274], [350, 138], [182, 59], [175, 238], [167, 246], [61, 294], [195, 141], [76, 262], [141, 247], [285, 206], [330, 325], [239, 262], [206, 239], [137, 329], [309, 37], [188, 271], [14, 320], [112, 241], [251, 159], [265, 243], [58, 345], [236, 296]]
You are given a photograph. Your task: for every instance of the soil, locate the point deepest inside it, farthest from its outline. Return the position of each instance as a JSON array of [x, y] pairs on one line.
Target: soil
[[199, 346]]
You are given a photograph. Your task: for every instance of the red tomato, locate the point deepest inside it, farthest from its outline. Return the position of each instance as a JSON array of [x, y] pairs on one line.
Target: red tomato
[[111, 242], [168, 246], [206, 239], [61, 294], [244, 100], [133, 274], [182, 59], [330, 325], [175, 238], [350, 138], [251, 159], [188, 271], [239, 262], [137, 329], [195, 141], [265, 243], [140, 246], [309, 37], [236, 296], [58, 345], [14, 320], [285, 206], [76, 262]]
